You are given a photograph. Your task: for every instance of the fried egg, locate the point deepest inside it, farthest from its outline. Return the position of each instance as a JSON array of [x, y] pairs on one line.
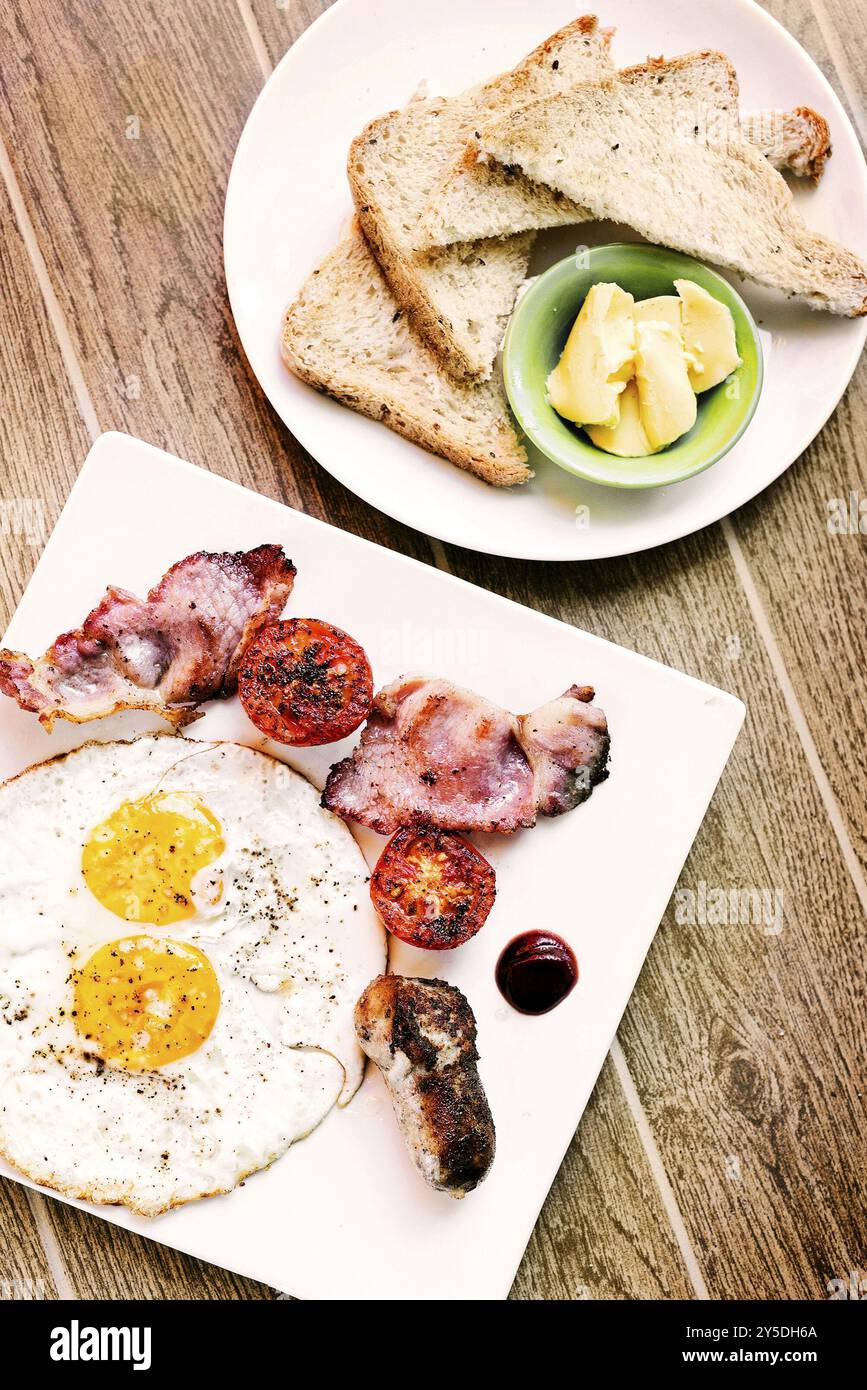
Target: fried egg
[[183, 934]]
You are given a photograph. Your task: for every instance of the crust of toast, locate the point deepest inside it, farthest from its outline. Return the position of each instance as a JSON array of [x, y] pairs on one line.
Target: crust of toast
[[821, 148], [798, 141], [515, 86]]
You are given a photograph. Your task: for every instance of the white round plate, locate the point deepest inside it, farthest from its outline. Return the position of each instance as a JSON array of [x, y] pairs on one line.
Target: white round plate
[[288, 200]]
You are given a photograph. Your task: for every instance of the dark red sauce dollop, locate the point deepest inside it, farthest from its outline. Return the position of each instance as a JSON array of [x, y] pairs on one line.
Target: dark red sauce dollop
[[536, 971]]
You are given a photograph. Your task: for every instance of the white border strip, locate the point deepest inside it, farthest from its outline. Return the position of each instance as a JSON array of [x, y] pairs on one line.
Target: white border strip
[[254, 34], [51, 1248]]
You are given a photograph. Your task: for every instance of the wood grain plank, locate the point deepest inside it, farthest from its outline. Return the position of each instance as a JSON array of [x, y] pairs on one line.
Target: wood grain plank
[[746, 1047], [105, 1261], [603, 1232], [849, 32], [833, 33], [128, 207], [25, 1274], [281, 22], [126, 234], [42, 436], [41, 441], [802, 21], [811, 579]]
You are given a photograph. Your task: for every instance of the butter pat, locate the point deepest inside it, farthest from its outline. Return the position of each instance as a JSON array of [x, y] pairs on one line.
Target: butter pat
[[630, 371], [597, 361], [663, 308], [627, 438], [666, 399], [708, 335]]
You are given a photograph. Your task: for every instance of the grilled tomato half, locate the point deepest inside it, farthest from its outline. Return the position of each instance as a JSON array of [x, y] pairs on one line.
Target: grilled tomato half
[[305, 682], [432, 888]]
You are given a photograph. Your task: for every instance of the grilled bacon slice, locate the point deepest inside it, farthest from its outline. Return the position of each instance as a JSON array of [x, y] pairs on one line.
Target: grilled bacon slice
[[166, 653], [434, 754], [566, 743], [422, 1036]]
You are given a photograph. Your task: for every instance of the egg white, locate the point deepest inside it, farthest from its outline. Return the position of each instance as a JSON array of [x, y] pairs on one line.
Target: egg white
[[285, 919]]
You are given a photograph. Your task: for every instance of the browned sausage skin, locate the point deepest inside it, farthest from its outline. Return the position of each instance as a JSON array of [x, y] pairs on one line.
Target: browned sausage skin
[[422, 1036]]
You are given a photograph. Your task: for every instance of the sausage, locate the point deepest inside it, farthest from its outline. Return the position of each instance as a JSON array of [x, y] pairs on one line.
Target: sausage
[[422, 1036]]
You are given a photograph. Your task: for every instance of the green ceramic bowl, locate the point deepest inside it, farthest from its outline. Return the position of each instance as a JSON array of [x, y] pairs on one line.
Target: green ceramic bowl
[[538, 331]]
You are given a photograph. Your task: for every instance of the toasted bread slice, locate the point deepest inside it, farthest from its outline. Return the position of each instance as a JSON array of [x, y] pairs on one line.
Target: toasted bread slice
[[482, 198], [635, 152], [479, 198], [346, 336], [458, 299]]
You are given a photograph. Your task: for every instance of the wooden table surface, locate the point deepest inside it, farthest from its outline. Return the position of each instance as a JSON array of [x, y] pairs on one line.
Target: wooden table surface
[[724, 1152]]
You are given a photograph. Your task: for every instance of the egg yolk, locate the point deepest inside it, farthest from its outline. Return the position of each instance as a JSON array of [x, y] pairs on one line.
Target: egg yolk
[[141, 861], [143, 1002]]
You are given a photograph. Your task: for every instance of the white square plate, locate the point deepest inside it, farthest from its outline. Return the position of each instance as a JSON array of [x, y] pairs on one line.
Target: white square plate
[[344, 1214]]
